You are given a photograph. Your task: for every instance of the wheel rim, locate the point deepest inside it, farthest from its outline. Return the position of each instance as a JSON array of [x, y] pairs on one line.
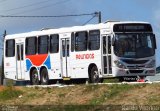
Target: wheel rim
[[44, 78], [95, 76], [35, 78]]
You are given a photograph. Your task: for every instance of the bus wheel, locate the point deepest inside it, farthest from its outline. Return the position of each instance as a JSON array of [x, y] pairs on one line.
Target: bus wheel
[[34, 77], [94, 77], [44, 77]]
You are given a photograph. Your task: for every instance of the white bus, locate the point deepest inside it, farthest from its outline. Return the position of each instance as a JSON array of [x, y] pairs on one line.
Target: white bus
[[91, 52]]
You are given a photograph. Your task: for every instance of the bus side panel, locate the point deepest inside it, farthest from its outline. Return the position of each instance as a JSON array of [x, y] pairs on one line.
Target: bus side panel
[[10, 68], [78, 66], [81, 60], [55, 72]]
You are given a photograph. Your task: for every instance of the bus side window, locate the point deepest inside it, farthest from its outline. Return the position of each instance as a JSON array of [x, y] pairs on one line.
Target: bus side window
[[72, 42], [81, 41], [31, 45], [43, 44], [94, 40], [54, 43], [10, 48]]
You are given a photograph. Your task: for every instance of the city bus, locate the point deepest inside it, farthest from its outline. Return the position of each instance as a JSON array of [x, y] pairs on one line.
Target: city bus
[[92, 52]]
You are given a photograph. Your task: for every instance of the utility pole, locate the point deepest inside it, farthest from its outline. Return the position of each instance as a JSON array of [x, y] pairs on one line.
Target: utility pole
[[98, 14], [2, 65]]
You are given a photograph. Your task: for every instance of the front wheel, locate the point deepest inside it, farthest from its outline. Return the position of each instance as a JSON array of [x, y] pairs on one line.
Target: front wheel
[[94, 76], [34, 77]]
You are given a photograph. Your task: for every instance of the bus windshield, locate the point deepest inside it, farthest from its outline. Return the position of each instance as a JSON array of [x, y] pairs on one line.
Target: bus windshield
[[134, 45]]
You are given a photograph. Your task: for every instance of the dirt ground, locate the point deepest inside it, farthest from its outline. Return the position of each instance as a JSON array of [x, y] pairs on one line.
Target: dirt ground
[[1, 88]]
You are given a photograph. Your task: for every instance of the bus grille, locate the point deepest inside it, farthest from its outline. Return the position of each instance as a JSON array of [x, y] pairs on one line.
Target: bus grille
[[136, 71], [135, 61]]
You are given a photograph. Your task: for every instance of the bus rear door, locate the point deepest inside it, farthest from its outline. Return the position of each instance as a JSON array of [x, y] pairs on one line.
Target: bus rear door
[[20, 60], [65, 54]]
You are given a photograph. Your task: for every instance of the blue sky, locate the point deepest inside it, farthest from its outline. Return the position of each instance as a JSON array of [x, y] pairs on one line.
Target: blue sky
[[130, 10]]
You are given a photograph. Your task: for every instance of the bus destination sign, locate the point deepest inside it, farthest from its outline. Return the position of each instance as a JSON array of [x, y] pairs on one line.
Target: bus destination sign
[[132, 28]]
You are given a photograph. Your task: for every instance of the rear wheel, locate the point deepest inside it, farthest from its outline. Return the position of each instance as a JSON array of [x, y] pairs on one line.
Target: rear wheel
[[94, 76], [34, 77], [44, 77]]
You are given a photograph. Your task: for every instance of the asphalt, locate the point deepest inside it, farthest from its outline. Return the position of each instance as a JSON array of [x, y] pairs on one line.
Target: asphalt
[[153, 78]]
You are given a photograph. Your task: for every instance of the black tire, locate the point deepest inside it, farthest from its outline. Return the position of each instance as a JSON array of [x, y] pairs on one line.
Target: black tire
[[121, 79], [94, 76], [34, 77], [44, 77]]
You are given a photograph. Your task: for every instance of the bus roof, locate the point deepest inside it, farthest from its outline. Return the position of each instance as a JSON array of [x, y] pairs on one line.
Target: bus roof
[[105, 25]]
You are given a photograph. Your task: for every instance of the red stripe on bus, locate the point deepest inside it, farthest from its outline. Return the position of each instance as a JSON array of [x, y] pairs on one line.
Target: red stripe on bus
[[37, 60]]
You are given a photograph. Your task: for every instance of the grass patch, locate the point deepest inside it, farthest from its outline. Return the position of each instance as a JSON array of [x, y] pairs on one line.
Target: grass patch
[[60, 108], [111, 80], [114, 90], [9, 92], [154, 99], [61, 95], [90, 88]]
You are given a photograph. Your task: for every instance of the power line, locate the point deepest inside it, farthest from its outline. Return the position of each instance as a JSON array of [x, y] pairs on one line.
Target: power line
[[96, 14], [57, 16], [46, 6], [29, 5], [89, 20]]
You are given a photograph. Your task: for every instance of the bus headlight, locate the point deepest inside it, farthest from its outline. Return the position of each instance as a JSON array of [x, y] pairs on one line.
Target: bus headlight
[[151, 64], [119, 64]]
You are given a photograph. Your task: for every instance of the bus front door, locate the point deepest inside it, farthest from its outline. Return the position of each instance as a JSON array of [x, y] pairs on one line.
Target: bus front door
[[106, 53], [20, 61], [65, 58]]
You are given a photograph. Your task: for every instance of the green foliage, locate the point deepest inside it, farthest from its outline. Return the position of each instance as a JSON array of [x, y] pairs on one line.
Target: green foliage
[[49, 90], [90, 88], [111, 80], [60, 108], [10, 93], [114, 90], [61, 95]]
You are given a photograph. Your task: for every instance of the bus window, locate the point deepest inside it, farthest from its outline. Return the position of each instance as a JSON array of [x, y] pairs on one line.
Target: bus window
[[109, 44], [54, 43], [10, 48], [43, 44], [19, 52], [81, 41], [72, 42], [104, 45], [31, 45], [94, 40]]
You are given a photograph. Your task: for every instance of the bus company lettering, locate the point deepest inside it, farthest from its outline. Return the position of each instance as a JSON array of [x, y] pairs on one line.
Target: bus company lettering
[[85, 56]]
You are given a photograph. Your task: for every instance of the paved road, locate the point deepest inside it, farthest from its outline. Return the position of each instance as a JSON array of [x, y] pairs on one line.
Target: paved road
[[154, 78], [149, 78]]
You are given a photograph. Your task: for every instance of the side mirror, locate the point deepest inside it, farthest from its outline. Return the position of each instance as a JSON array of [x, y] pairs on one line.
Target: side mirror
[[113, 40]]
